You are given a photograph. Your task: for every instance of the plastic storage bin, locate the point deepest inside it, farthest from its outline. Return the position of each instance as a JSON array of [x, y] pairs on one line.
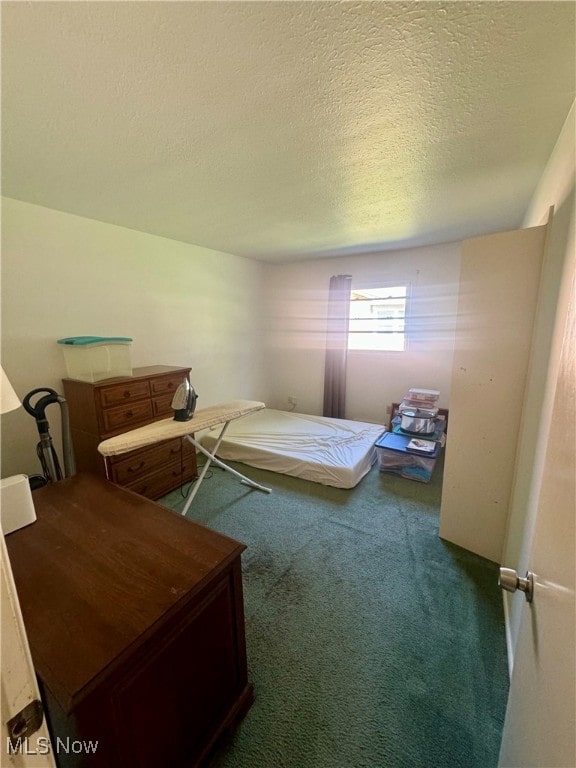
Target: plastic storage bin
[[93, 358], [394, 458]]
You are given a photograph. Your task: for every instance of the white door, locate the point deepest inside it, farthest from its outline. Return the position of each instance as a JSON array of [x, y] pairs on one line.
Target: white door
[[540, 726], [18, 686]]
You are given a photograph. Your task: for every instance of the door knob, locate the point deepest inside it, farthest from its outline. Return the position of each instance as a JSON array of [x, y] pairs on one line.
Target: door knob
[[510, 581]]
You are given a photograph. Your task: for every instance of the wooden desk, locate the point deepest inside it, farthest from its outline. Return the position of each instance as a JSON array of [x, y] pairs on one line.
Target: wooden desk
[[135, 621]]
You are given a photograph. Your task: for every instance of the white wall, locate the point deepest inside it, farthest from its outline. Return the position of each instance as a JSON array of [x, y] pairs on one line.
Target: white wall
[[556, 188], [65, 275], [297, 295]]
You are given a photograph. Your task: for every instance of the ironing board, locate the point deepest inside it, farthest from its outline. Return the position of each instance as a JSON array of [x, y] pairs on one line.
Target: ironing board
[[168, 428]]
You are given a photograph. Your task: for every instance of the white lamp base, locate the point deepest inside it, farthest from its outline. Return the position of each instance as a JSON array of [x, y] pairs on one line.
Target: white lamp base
[[16, 505]]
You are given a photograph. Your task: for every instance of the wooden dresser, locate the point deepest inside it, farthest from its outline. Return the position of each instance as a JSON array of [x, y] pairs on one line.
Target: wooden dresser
[[106, 408], [135, 621]]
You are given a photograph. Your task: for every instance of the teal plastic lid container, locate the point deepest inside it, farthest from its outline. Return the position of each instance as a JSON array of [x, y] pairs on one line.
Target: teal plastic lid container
[[94, 358], [84, 340]]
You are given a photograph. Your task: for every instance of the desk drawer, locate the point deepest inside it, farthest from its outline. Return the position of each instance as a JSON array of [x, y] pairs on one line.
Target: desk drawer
[[127, 469], [127, 416]]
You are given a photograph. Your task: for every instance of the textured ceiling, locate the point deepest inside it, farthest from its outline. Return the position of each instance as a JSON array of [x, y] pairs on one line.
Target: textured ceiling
[[281, 130]]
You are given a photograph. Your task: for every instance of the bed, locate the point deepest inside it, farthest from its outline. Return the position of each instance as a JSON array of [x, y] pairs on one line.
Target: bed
[[335, 452]]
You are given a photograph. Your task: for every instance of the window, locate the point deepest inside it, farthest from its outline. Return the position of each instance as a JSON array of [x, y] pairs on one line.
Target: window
[[378, 318]]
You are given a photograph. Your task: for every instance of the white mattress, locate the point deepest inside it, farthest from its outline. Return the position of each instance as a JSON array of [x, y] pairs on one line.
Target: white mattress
[[335, 452]]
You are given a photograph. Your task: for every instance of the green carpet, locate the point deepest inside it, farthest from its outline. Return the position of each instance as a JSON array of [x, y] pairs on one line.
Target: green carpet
[[371, 642]]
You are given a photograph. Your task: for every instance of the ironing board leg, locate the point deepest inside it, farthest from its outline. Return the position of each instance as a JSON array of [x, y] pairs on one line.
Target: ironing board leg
[[212, 459]]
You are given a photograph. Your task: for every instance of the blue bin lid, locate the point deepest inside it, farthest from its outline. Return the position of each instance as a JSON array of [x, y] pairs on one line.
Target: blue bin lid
[[82, 341]]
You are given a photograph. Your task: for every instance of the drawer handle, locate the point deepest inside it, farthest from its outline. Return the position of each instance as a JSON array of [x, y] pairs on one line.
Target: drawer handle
[[135, 469], [126, 393], [128, 415]]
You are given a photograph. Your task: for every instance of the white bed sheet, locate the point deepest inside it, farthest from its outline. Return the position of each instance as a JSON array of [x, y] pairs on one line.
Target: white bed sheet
[[335, 452]]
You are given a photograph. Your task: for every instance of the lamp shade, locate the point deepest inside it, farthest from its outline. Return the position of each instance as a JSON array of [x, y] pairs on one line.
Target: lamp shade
[[8, 398]]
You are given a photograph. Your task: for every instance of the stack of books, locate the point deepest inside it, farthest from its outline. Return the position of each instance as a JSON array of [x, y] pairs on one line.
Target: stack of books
[[425, 399]]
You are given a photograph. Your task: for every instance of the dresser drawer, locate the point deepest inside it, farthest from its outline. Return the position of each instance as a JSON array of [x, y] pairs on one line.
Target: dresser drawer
[[165, 385], [123, 393], [160, 483], [162, 406], [127, 416], [128, 468]]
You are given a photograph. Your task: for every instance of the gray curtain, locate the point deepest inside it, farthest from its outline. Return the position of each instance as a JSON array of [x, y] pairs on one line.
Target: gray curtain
[[337, 346]]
